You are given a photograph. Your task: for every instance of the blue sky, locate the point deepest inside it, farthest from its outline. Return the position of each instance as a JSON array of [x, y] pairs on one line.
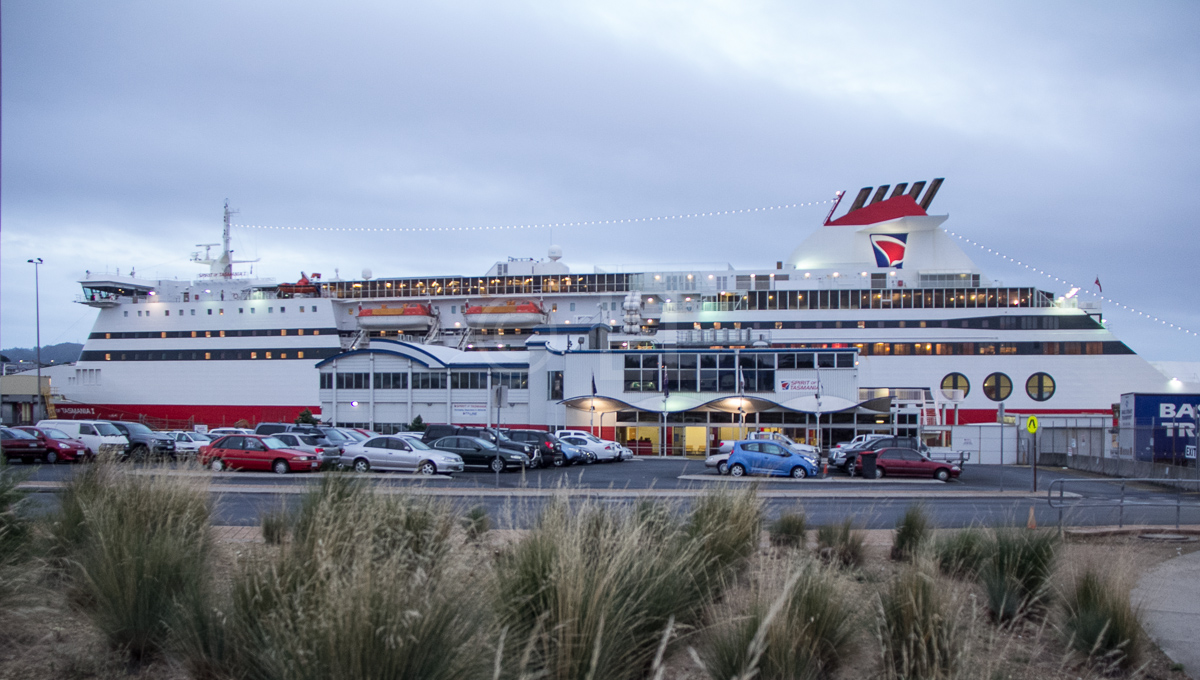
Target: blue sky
[[1066, 133]]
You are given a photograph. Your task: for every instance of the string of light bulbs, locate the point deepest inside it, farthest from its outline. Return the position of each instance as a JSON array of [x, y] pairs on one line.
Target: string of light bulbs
[[547, 225], [1065, 282]]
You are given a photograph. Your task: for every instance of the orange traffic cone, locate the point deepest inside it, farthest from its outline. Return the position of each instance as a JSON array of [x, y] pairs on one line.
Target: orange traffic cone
[[1032, 523]]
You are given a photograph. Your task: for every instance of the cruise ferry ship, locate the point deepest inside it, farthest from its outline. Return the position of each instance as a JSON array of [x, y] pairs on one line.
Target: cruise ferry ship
[[883, 282]]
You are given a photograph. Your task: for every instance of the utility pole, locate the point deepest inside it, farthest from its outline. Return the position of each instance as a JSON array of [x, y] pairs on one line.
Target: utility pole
[[37, 306]]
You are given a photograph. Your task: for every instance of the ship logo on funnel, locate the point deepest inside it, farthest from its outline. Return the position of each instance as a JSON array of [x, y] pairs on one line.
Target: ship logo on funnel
[[889, 249]]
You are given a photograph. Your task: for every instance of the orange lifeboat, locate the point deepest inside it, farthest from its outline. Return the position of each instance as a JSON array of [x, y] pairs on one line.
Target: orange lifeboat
[[510, 314], [408, 317], [303, 287]]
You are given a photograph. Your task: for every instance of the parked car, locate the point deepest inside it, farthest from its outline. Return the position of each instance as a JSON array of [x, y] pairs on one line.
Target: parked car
[[145, 443], [93, 433], [547, 443], [623, 452], [189, 443], [902, 462], [18, 444], [352, 434], [222, 431], [756, 456], [328, 455], [603, 451], [719, 460], [407, 454], [478, 452], [58, 445], [327, 437], [256, 452], [495, 437], [847, 459], [569, 454]]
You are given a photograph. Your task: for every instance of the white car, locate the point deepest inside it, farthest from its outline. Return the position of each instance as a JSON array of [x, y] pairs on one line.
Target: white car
[[623, 452], [602, 450], [189, 442], [222, 431], [391, 452]]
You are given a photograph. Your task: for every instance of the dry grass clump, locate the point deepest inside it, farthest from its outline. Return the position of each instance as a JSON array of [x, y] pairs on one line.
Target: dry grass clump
[[131, 547], [476, 523], [790, 530], [911, 533], [918, 626], [363, 590], [1016, 576], [840, 544], [962, 554], [14, 535], [799, 629], [275, 525], [1100, 621], [592, 592]]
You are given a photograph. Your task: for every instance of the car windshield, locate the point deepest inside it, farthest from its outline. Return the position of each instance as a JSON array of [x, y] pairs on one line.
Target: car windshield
[[200, 437], [307, 440], [356, 436], [138, 428], [21, 434], [336, 437], [274, 443], [108, 430], [55, 434]]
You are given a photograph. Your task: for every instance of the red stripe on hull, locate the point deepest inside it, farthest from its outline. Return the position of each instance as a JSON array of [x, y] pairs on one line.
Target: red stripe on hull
[[183, 415]]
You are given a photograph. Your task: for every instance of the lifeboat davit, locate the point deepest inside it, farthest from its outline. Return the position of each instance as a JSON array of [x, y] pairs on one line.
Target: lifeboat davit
[[510, 314], [408, 317]]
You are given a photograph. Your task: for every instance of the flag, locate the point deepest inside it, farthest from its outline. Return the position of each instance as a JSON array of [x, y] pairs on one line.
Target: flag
[[593, 384], [1098, 284]]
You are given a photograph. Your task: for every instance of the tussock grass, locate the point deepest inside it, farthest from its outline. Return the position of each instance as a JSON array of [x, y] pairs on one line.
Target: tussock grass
[[790, 530], [362, 591], [963, 553], [15, 534], [131, 547], [275, 525], [476, 523], [918, 626], [802, 628], [1100, 622], [1016, 578], [592, 592], [911, 533], [840, 544]]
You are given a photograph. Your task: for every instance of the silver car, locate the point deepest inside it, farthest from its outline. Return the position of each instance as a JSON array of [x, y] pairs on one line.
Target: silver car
[[189, 443], [408, 454], [309, 444]]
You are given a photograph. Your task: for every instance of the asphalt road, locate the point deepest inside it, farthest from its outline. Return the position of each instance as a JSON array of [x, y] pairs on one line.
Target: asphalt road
[[984, 495]]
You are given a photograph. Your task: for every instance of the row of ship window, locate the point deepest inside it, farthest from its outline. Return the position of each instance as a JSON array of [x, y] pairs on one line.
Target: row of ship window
[[998, 386], [423, 380], [973, 348], [220, 311], [219, 355], [1004, 323], [899, 298], [235, 333]]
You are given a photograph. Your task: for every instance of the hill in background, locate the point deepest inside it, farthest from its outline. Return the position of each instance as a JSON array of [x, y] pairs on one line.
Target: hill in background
[[62, 353]]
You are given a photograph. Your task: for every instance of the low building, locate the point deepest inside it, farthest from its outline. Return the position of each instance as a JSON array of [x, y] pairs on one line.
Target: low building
[[19, 404]]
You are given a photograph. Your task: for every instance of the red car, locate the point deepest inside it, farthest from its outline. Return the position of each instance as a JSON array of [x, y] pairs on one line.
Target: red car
[[898, 462], [17, 444], [256, 452], [59, 445]]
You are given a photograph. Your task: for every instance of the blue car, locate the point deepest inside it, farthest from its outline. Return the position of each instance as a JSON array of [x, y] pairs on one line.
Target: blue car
[[571, 455], [759, 457]]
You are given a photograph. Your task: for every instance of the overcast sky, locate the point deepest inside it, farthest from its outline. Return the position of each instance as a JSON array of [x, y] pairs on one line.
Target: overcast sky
[[1067, 134]]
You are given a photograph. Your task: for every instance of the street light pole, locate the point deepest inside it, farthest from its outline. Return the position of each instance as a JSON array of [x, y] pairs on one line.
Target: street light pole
[[37, 307]]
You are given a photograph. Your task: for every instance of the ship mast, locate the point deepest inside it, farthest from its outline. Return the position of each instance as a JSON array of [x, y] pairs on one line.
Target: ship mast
[[226, 254]]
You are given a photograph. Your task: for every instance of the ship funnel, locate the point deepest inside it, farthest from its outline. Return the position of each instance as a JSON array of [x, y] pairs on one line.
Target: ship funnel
[[933, 189], [861, 199], [880, 193]]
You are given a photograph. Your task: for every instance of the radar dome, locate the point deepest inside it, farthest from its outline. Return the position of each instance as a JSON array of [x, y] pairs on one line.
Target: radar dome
[[366, 274], [555, 253]]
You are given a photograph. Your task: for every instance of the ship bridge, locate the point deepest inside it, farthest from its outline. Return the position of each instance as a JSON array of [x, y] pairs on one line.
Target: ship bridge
[[110, 291]]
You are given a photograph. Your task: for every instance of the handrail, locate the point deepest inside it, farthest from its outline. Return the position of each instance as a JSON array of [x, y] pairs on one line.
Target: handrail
[[1120, 502]]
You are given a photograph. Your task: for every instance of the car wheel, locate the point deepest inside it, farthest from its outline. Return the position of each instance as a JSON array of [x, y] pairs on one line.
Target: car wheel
[[217, 465], [799, 472], [280, 467], [850, 469], [591, 458], [51, 457], [140, 453], [427, 468], [560, 460], [497, 465], [737, 470], [878, 473], [362, 465], [723, 468], [943, 475]]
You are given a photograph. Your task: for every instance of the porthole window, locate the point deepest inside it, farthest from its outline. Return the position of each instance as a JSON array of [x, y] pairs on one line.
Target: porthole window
[[1040, 386], [997, 387], [955, 386]]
